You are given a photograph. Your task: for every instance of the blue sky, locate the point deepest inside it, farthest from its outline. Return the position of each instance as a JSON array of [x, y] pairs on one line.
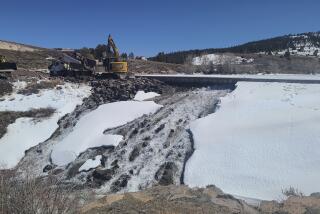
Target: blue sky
[[147, 27]]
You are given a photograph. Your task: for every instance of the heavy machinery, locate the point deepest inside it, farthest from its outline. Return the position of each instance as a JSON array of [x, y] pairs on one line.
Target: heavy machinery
[[112, 61], [6, 66], [74, 64]]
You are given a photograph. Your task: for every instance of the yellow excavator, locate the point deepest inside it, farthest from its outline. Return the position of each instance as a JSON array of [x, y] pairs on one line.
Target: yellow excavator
[[109, 65], [112, 62]]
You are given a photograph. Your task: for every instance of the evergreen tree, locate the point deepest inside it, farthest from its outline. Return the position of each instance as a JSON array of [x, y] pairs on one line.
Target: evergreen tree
[[131, 55], [124, 56]]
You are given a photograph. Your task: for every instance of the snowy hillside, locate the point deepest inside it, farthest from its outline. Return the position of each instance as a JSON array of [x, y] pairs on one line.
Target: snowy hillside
[[302, 45], [264, 138], [219, 59]]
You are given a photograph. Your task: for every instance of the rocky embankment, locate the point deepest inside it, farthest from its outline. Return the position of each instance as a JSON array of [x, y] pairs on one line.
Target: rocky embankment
[[154, 148], [170, 199], [182, 199], [38, 159]]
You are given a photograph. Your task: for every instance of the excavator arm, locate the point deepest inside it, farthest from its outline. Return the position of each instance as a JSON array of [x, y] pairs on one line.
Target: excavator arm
[[115, 50]]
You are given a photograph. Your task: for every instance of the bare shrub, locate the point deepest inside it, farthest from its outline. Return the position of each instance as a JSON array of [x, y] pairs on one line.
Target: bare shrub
[[291, 191], [36, 195]]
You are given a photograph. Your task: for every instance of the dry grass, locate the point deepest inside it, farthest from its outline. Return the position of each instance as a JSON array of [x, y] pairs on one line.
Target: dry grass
[[36, 195], [291, 191]]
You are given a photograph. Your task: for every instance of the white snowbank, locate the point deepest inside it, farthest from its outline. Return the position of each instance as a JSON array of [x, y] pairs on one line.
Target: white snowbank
[[26, 132], [141, 95], [264, 138], [91, 163], [89, 130]]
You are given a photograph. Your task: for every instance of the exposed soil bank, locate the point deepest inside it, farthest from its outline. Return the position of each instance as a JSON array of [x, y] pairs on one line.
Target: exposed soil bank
[[170, 199]]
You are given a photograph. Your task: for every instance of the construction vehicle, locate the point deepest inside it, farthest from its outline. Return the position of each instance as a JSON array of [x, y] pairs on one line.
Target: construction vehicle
[[111, 65], [5, 66], [74, 64], [112, 61]]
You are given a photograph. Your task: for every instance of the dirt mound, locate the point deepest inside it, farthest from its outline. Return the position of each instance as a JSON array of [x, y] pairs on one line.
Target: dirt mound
[[28, 75], [170, 199], [150, 67], [30, 60]]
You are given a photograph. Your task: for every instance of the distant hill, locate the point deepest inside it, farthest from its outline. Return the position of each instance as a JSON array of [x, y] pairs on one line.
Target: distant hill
[[13, 46], [305, 44], [27, 56]]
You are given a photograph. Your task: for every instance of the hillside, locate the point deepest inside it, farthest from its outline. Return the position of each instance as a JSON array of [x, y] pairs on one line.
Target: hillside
[[27, 56], [304, 44], [13, 46]]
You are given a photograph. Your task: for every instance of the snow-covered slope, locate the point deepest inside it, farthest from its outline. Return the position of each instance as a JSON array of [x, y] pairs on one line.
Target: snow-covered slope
[[264, 138], [219, 59], [27, 132], [306, 44], [88, 132]]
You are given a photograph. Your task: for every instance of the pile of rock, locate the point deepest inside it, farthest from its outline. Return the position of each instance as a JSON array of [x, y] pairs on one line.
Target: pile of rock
[[111, 90]]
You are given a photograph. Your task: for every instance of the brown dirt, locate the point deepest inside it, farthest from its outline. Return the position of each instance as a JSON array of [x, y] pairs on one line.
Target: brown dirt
[[9, 117], [149, 67], [170, 199], [30, 60], [27, 75]]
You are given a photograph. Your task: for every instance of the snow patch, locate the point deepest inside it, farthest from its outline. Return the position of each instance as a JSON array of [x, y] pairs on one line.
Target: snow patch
[[91, 163], [219, 59], [264, 138], [27, 132], [141, 95], [88, 132]]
